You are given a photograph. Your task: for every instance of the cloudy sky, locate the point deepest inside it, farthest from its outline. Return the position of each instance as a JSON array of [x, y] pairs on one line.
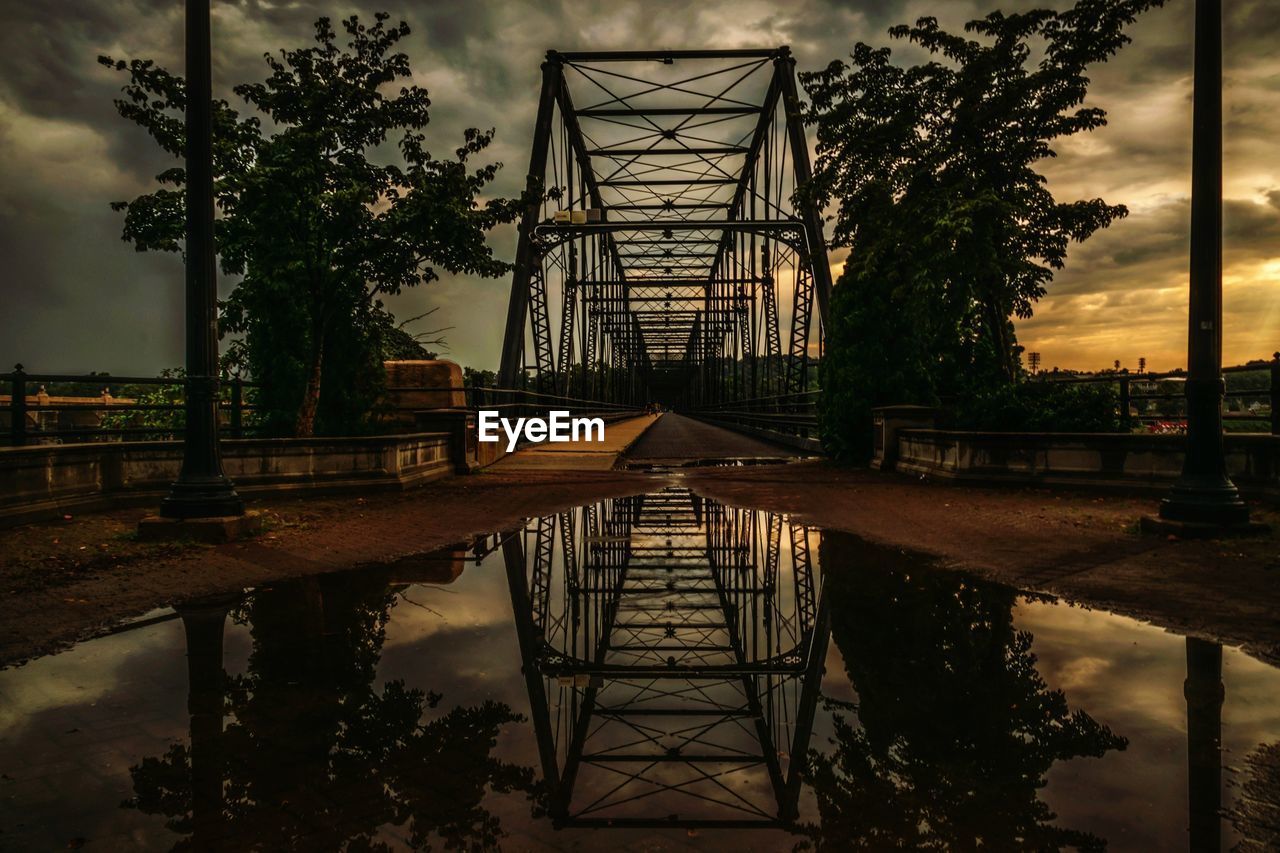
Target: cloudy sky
[[77, 298]]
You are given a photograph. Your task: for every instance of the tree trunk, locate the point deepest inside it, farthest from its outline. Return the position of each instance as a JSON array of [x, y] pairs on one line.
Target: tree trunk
[[998, 328], [306, 424]]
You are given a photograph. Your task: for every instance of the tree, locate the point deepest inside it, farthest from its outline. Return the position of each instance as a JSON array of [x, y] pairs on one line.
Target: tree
[[953, 232], [317, 226]]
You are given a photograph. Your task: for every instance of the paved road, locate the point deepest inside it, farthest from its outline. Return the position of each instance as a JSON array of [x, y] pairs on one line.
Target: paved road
[[677, 439]]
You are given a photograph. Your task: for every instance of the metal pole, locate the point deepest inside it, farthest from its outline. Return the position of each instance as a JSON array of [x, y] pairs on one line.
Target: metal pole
[[18, 407], [1275, 394], [1204, 694], [1125, 402], [203, 622], [1204, 493], [202, 490], [237, 407]]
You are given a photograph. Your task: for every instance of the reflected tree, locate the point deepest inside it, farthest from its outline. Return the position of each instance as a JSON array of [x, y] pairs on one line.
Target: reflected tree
[[955, 728], [316, 757]]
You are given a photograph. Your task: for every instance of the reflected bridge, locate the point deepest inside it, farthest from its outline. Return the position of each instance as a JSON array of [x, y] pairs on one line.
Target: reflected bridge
[[673, 652]]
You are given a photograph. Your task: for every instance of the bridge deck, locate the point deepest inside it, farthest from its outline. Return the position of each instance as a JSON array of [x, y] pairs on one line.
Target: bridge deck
[[578, 455], [676, 439]]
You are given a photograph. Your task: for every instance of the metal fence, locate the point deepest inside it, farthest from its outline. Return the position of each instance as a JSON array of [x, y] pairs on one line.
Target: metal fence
[[36, 416], [1158, 398]]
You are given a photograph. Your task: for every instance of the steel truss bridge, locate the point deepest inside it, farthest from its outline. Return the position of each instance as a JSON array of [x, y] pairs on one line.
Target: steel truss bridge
[[663, 257], [672, 650]]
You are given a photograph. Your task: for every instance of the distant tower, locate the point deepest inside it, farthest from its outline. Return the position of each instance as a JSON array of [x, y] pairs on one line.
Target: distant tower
[[1142, 365], [1034, 360]]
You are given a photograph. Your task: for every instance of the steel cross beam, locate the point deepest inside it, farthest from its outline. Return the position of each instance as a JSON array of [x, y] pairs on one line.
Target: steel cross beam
[[653, 661], [667, 177]]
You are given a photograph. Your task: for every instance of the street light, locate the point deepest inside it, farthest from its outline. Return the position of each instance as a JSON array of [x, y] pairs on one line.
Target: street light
[[202, 493], [1204, 493]]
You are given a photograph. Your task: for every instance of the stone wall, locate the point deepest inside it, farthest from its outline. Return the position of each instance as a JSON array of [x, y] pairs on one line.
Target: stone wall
[[1087, 459], [49, 480]]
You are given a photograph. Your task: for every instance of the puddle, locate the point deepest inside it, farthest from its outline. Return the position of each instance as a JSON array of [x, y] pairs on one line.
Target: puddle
[[641, 673]]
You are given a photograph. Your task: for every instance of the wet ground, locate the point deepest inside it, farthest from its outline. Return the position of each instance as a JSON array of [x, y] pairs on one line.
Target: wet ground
[[651, 672]]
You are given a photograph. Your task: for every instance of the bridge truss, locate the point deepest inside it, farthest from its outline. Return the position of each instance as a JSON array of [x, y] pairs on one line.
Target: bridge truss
[[663, 257], [672, 649]]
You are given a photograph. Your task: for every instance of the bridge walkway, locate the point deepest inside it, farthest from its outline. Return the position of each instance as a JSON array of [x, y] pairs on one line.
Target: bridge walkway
[[679, 440], [650, 440], [579, 455]]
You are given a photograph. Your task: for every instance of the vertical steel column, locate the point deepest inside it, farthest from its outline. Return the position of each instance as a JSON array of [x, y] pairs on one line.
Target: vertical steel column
[[527, 636], [817, 243], [526, 258], [1204, 493], [201, 490]]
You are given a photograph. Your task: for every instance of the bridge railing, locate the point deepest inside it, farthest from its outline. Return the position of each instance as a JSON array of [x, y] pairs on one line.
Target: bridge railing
[[1158, 402], [791, 418], [101, 407]]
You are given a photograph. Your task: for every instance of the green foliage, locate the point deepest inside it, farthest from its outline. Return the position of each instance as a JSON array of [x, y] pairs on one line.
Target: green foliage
[[1041, 407], [953, 231], [166, 422], [317, 227], [472, 378]]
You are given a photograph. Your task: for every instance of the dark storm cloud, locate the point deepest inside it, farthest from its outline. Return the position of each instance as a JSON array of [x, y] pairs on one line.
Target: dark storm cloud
[[78, 298]]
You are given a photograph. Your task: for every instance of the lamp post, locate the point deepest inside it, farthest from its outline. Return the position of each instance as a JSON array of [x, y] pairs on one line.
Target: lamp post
[[1204, 494], [201, 490]]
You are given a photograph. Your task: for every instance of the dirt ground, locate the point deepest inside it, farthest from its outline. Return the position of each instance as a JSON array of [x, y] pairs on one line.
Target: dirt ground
[[73, 578]]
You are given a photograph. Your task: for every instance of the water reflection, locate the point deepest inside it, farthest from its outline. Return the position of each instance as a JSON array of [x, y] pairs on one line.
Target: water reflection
[[677, 672], [955, 727], [672, 650], [314, 756]]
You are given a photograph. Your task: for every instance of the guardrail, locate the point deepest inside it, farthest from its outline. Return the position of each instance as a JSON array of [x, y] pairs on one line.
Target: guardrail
[[789, 418], [1138, 393]]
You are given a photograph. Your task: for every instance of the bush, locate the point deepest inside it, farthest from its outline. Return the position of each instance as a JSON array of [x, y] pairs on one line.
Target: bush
[[1040, 407]]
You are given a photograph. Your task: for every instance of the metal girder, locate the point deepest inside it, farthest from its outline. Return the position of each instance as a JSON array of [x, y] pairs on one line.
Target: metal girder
[[669, 182], [522, 275], [662, 55], [798, 355], [664, 145], [639, 678], [810, 215]]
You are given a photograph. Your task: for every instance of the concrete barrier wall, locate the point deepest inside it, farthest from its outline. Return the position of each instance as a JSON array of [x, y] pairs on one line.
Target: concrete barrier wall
[[49, 480], [1089, 459]]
